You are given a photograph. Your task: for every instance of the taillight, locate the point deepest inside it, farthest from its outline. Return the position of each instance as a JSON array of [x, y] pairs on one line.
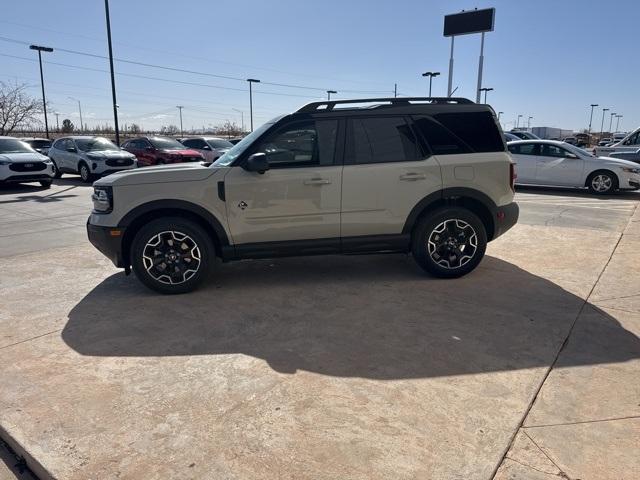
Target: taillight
[[512, 174]]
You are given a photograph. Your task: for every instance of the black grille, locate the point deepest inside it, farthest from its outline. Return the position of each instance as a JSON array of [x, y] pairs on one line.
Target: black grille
[[27, 167], [119, 162]]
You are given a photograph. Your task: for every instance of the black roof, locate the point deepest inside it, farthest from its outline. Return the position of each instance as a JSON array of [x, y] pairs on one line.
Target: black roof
[[401, 105]]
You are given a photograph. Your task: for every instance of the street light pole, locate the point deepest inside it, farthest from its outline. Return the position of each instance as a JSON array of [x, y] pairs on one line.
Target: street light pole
[[529, 123], [113, 78], [518, 123], [80, 111], [591, 118], [251, 81], [602, 124], [430, 75], [57, 121], [618, 122], [611, 120], [180, 107], [41, 49], [329, 92], [485, 90]]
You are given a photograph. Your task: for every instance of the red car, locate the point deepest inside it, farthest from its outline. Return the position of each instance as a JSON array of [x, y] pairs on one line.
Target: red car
[[160, 151]]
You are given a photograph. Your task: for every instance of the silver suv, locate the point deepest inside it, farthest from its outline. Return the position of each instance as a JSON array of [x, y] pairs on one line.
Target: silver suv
[[430, 176], [90, 157]]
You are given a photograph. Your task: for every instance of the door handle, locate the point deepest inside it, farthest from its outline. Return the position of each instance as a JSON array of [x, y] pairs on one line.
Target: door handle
[[413, 176], [317, 181]]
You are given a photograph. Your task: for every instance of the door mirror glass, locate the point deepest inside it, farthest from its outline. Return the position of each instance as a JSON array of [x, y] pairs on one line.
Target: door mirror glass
[[571, 155], [72, 149], [206, 147], [257, 163]]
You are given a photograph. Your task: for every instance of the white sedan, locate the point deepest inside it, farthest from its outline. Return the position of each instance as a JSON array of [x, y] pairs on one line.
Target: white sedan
[[558, 164]]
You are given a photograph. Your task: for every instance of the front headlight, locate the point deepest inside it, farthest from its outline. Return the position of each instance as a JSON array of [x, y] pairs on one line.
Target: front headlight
[[48, 161], [102, 199], [5, 162], [631, 170]]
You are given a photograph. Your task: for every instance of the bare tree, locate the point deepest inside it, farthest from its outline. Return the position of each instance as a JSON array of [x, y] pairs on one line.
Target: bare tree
[[17, 107], [169, 130], [135, 128], [228, 129]]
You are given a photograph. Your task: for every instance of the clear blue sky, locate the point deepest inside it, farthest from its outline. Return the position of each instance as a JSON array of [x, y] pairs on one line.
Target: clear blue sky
[[547, 58]]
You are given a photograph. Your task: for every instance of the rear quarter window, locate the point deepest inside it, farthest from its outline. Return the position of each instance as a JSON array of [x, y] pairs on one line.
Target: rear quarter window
[[476, 129]]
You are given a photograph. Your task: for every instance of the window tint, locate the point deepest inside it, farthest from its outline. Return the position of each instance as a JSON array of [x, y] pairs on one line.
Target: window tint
[[380, 140], [302, 144], [194, 143], [525, 149], [440, 140], [476, 129], [633, 139]]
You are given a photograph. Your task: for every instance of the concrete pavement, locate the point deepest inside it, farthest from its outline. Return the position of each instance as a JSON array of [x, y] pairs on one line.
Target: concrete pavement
[[329, 367]]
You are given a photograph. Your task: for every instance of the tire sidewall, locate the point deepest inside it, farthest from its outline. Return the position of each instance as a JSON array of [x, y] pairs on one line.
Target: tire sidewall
[[88, 177], [56, 171], [199, 236], [426, 226], [614, 182]]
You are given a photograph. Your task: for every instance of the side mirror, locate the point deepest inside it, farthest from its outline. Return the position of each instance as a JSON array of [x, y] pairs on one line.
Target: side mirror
[[572, 156], [206, 147], [149, 149], [257, 163], [72, 149]]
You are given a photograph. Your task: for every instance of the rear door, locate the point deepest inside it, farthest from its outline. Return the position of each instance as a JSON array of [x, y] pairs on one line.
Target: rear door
[[385, 175], [298, 198], [558, 166], [526, 157]]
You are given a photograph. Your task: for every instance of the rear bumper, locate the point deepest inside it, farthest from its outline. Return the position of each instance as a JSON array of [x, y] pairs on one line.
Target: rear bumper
[[108, 240], [506, 217]]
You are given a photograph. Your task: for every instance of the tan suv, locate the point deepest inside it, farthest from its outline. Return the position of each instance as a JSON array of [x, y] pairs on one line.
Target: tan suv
[[430, 176]]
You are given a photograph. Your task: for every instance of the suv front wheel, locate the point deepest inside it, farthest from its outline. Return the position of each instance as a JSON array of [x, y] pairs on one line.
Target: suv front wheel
[[449, 242], [172, 255]]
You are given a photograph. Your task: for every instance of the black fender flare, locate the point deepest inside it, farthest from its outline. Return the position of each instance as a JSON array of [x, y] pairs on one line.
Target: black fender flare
[[447, 193], [172, 204]]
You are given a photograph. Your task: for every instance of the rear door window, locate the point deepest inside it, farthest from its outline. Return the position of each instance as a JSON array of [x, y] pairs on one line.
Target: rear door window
[[380, 140]]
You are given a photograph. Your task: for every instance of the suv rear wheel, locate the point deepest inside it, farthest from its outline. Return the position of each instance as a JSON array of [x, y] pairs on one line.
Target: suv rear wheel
[[449, 242], [172, 255]]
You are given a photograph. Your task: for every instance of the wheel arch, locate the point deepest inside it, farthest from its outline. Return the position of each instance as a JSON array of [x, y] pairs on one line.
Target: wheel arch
[[473, 200], [133, 221]]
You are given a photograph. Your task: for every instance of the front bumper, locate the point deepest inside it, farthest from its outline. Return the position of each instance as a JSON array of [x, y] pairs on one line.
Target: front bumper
[[506, 216], [12, 176], [108, 240]]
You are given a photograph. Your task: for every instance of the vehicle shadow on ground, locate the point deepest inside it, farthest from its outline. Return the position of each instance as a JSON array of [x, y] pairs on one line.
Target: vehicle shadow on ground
[[375, 317], [580, 193], [39, 193]]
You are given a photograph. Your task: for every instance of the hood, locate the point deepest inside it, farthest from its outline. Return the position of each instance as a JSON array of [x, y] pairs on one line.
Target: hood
[[617, 162], [23, 157], [105, 154], [178, 172], [182, 153]]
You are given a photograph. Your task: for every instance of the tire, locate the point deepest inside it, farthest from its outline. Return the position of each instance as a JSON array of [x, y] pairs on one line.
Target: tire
[[45, 183], [466, 235], [156, 249], [602, 182], [56, 171], [85, 173]]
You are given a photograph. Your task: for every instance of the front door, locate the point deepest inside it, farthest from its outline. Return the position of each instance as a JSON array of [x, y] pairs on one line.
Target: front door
[[298, 198], [558, 166]]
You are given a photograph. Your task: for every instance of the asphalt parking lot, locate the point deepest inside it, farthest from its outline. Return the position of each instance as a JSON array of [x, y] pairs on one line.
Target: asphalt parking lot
[[326, 367]]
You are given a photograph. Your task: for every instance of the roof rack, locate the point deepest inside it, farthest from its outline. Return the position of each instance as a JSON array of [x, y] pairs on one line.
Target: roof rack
[[330, 104]]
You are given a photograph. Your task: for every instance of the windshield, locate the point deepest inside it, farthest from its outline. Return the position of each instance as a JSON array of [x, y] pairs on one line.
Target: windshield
[[38, 143], [12, 145], [96, 144], [219, 143], [166, 144], [228, 158]]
